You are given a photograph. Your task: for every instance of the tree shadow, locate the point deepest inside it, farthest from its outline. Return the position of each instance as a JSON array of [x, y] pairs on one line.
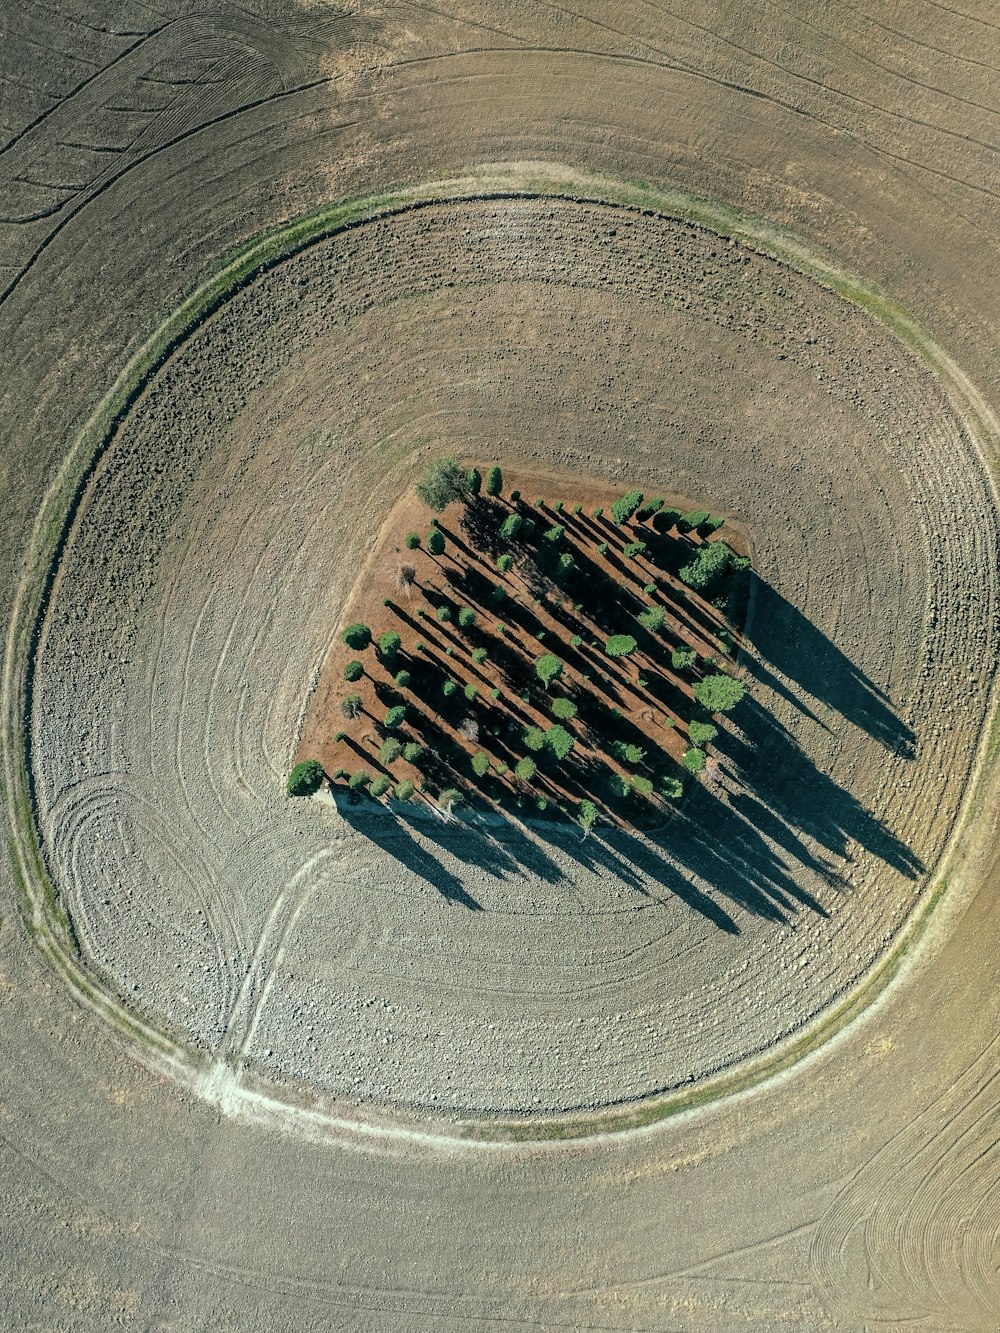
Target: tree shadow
[[393, 837], [799, 650]]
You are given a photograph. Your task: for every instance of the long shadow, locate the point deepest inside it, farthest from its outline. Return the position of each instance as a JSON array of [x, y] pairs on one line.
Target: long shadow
[[393, 837], [798, 649]]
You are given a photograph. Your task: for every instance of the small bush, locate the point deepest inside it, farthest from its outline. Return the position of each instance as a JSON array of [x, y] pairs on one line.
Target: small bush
[[576, 640], [443, 614], [359, 780], [353, 670], [564, 709], [351, 706], [494, 693], [338, 736], [598, 512], [466, 617], [470, 691], [620, 645], [557, 507], [515, 496], [357, 636], [412, 541], [649, 589], [694, 760], [642, 786], [380, 785], [479, 656], [480, 764], [602, 548], [404, 790], [413, 753], [450, 799], [394, 717], [305, 778]]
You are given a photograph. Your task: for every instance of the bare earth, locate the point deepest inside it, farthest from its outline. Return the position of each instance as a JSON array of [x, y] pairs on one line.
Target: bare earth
[[344, 967]]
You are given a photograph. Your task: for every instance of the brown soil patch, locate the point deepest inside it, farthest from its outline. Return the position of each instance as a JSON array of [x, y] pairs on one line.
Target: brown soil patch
[[522, 614]]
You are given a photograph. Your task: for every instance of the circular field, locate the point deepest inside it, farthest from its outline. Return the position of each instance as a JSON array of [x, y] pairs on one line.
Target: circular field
[[509, 972]]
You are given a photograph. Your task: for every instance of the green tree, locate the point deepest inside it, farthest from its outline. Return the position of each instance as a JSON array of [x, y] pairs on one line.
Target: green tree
[[404, 790], [633, 549], [390, 751], [443, 482], [359, 780], [504, 563], [394, 717], [695, 519], [471, 690], [435, 541], [413, 753], [389, 644], [672, 788], [534, 738], [305, 778], [633, 754], [620, 645], [525, 769], [380, 785], [555, 534], [718, 694], [412, 540], [548, 669], [443, 614], [642, 786], [449, 688], [559, 741], [649, 509], [480, 763], [494, 481], [564, 709], [351, 706], [624, 507], [449, 800], [707, 567], [619, 786], [475, 479], [694, 760], [402, 679], [701, 733], [586, 815], [511, 526], [466, 617], [479, 656], [683, 659], [357, 636], [652, 618], [353, 671]]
